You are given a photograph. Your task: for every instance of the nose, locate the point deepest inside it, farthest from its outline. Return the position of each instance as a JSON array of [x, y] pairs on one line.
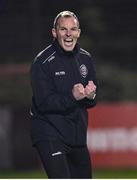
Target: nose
[[68, 33]]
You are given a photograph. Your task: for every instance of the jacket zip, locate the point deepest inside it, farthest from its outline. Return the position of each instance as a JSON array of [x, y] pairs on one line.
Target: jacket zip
[[77, 81]]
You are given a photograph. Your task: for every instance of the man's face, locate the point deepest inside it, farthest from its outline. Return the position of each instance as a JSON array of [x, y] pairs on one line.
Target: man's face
[[67, 32]]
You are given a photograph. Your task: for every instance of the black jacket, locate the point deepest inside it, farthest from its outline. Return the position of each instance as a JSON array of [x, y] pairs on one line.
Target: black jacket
[[55, 112]]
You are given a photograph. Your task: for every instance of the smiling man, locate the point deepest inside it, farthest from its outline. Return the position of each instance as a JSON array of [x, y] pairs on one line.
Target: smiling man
[[64, 84], [66, 30]]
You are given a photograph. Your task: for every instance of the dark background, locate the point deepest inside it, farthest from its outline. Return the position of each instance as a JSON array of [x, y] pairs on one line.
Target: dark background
[[109, 33]]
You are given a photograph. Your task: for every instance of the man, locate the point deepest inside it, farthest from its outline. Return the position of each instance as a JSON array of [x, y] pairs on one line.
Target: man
[[64, 86]]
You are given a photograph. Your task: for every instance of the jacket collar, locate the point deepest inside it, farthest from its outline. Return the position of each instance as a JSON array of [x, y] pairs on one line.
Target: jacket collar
[[62, 52]]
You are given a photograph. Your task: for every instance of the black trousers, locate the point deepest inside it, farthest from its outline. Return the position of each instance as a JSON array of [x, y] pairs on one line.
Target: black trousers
[[62, 161]]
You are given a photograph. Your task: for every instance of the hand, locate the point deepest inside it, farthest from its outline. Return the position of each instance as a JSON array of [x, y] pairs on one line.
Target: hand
[[90, 90], [78, 91]]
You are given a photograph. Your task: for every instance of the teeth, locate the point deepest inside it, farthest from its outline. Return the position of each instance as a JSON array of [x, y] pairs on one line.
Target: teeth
[[68, 40]]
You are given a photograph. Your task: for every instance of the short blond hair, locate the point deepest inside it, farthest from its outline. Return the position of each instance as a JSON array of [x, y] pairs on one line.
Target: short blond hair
[[64, 14]]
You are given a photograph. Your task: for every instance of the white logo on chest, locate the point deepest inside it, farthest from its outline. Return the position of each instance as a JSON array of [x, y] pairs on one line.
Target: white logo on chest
[[60, 73], [83, 70]]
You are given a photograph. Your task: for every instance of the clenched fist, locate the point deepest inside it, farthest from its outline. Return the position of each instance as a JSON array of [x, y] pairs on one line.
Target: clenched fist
[[90, 90], [79, 92]]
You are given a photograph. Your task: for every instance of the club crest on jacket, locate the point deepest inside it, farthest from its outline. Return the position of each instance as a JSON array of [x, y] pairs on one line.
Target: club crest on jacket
[[83, 71]]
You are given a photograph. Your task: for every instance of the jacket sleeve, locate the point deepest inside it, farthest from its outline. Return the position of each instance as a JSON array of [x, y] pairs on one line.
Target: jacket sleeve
[[89, 103], [45, 97]]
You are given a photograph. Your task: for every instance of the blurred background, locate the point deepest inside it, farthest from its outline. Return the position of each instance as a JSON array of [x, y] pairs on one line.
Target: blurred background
[[109, 33]]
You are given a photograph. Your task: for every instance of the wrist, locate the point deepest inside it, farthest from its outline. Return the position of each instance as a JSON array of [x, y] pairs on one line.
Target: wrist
[[92, 95]]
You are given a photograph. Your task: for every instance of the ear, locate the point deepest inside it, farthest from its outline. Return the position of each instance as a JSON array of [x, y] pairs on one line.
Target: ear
[[54, 32], [79, 33]]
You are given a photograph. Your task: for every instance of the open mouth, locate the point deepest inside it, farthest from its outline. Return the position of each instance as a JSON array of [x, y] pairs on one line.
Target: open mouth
[[68, 42]]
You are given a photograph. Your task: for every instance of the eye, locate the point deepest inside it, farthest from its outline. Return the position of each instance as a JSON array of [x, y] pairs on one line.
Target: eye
[[62, 29], [74, 29]]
